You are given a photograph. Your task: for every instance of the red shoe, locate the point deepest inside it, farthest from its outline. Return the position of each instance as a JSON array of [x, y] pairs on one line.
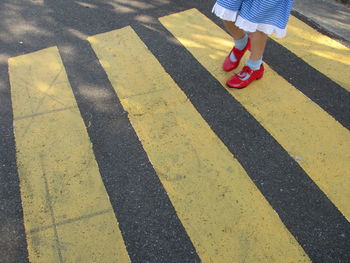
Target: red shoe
[[230, 65], [245, 77]]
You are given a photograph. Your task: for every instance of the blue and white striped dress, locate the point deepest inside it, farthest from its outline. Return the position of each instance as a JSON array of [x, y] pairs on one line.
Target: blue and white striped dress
[[268, 16]]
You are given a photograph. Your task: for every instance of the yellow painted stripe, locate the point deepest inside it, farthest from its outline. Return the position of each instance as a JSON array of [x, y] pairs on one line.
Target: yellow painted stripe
[[226, 217], [321, 52], [318, 142], [67, 213]]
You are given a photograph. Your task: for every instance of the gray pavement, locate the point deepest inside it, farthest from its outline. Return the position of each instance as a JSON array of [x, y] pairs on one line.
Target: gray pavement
[[329, 14]]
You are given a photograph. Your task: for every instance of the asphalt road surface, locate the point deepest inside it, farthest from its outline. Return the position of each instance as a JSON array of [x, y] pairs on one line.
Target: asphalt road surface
[[121, 143]]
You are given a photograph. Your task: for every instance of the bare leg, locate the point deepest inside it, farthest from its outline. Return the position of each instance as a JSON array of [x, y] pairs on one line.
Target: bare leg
[[234, 31], [258, 42]]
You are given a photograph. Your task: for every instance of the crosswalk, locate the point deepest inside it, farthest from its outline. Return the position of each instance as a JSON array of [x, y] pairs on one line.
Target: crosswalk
[[323, 53], [68, 215], [65, 204], [279, 107]]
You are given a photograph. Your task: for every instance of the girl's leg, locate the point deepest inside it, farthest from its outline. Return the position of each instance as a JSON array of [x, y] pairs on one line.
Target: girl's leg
[[234, 31], [255, 69], [258, 42], [241, 45]]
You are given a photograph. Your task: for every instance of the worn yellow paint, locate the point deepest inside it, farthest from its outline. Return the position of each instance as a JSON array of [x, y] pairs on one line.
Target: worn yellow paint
[[226, 217], [321, 52], [42, 246], [67, 213], [318, 142]]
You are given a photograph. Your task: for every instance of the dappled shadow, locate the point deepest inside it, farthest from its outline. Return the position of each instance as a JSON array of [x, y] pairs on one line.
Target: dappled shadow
[[321, 52], [28, 26]]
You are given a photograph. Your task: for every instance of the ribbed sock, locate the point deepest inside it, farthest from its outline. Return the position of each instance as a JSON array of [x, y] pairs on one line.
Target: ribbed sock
[[254, 64], [239, 44]]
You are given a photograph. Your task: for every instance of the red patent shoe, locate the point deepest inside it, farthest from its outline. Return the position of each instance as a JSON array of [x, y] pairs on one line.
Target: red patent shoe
[[245, 77], [230, 65]]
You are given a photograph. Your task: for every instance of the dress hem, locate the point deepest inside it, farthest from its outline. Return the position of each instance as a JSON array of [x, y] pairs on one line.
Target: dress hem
[[245, 24]]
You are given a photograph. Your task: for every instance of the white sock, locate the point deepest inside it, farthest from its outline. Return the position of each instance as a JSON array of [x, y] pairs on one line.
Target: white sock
[[239, 44], [254, 64]]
